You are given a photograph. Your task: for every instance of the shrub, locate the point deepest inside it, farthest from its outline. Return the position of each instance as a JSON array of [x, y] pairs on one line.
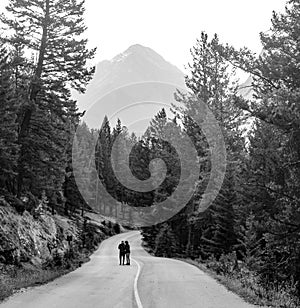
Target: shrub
[[117, 228]]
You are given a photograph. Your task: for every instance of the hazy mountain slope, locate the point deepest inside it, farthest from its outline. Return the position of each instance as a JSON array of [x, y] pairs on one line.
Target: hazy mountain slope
[[136, 64], [112, 89]]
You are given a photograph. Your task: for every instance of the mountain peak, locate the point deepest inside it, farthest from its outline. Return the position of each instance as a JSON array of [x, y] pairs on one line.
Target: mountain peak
[[138, 50], [137, 47], [135, 65]]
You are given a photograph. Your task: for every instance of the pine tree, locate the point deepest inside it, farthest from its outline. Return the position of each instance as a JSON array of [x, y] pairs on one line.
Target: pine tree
[[121, 143], [162, 135], [157, 125], [139, 161], [273, 167], [251, 243], [149, 236], [275, 75], [8, 128], [211, 80], [166, 243], [51, 31], [103, 164], [80, 151]]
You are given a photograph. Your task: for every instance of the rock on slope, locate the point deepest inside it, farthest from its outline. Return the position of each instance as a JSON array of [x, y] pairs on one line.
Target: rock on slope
[[25, 239]]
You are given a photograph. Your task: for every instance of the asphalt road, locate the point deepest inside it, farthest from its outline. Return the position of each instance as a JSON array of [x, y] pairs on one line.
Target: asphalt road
[[147, 282]]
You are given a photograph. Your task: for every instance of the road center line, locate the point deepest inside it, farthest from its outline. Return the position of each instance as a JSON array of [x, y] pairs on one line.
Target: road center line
[[136, 293]]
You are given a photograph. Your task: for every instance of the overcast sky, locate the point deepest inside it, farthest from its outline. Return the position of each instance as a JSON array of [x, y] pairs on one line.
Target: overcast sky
[[171, 27]]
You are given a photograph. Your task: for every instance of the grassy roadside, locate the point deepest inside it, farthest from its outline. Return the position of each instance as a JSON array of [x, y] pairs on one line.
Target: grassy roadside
[[232, 285], [14, 279], [244, 283], [250, 291], [9, 284]]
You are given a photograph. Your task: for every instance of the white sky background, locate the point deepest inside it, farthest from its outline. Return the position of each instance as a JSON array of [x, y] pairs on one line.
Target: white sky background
[[172, 27]]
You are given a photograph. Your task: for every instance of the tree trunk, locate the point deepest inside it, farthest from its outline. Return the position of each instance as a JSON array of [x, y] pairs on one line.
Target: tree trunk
[[35, 87]]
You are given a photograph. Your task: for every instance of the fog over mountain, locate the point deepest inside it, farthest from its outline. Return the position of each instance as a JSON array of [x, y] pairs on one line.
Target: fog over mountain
[[116, 79], [134, 86]]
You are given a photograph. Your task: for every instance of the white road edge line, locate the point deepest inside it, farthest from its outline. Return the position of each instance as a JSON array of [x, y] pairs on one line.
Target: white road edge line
[[136, 293]]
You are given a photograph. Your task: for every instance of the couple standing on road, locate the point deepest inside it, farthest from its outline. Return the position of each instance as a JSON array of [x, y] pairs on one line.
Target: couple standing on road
[[124, 251]]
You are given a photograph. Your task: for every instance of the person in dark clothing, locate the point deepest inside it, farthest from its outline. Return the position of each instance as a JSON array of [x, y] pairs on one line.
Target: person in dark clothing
[[121, 248], [127, 252]]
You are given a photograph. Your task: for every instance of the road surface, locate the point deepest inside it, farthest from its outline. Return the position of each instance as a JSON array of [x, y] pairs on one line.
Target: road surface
[[148, 282]]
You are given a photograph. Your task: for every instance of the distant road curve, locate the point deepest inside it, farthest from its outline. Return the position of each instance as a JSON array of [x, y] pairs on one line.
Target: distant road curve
[[148, 282]]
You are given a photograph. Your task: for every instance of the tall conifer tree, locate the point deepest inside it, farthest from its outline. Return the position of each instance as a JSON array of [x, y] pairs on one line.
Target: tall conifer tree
[[51, 33]]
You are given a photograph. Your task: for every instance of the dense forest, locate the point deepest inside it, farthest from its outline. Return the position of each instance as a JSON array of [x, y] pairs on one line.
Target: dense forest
[[251, 229], [43, 56]]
